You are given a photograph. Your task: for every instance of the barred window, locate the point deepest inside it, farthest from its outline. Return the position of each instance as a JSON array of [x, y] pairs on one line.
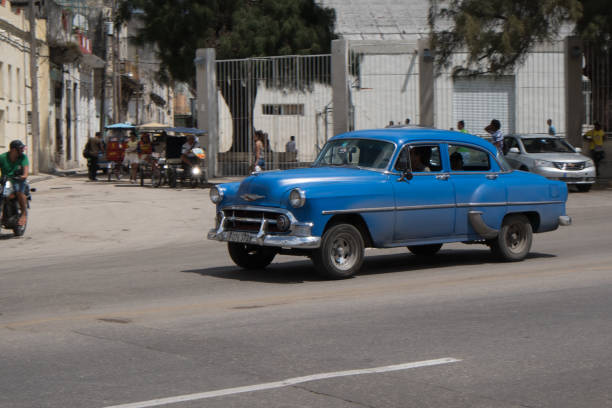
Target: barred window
[[292, 109]]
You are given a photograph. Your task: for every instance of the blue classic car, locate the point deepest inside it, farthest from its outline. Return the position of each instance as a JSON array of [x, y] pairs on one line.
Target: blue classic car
[[418, 188]]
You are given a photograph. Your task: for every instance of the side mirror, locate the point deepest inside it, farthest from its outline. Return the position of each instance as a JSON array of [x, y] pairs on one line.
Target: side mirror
[[403, 165], [514, 150]]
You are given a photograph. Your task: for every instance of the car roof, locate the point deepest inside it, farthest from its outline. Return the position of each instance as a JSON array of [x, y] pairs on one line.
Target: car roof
[[404, 135]]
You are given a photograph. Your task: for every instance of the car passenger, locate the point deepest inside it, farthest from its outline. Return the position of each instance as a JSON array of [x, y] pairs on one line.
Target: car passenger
[[419, 158], [456, 161]]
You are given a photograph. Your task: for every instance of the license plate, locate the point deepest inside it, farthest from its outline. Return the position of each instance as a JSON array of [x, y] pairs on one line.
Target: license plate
[[236, 236]]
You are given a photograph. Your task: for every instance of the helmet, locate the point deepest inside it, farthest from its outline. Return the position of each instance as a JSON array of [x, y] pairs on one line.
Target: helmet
[[16, 144]]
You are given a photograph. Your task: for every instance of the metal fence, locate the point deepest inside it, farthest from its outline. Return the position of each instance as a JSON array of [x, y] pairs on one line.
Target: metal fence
[[384, 86], [279, 96], [597, 84]]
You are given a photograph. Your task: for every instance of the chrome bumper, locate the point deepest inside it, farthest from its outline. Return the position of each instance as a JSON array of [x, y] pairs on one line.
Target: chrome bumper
[[299, 235], [284, 241], [565, 220]]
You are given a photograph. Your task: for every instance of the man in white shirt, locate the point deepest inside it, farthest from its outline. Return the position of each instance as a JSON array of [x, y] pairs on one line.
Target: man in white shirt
[[494, 129], [290, 146]]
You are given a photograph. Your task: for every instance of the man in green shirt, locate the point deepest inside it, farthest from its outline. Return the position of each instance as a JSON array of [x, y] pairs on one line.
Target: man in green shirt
[[14, 166]]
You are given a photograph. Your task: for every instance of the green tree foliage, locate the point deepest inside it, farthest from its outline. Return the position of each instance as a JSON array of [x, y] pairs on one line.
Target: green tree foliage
[[235, 28], [497, 34]]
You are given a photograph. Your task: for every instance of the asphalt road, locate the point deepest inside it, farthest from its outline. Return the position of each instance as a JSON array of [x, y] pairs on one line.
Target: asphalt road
[[114, 297]]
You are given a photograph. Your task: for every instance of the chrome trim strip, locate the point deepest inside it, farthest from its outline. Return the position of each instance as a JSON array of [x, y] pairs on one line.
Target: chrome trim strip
[[536, 202], [492, 204], [424, 207], [437, 206], [360, 210]]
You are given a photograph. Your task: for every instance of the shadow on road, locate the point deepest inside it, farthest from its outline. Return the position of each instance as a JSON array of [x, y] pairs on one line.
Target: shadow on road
[[303, 271]]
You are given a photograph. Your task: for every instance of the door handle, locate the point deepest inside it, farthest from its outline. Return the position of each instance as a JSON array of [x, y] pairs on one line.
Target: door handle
[[492, 176], [442, 176]]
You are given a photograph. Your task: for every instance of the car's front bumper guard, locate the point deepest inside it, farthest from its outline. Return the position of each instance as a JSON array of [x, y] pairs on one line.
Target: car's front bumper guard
[[298, 237]]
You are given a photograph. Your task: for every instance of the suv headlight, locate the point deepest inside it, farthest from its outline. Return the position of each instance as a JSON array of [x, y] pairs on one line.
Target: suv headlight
[[589, 163], [216, 195], [297, 198], [543, 163]]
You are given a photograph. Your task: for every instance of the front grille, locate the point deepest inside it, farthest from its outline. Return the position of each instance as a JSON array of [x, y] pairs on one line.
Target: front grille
[[249, 220], [574, 166]]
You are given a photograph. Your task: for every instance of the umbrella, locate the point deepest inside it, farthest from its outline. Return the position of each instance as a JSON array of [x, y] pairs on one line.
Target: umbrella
[[126, 125], [152, 126], [192, 131]]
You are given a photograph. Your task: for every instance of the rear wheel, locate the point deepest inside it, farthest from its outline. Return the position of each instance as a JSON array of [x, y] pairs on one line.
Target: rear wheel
[[583, 188], [341, 253], [250, 256], [514, 239], [425, 250]]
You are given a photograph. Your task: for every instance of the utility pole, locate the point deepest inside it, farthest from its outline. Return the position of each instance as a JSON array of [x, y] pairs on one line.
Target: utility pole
[[34, 88]]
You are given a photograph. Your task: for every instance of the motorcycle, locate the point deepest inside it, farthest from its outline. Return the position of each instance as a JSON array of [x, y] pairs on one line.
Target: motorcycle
[[10, 212]]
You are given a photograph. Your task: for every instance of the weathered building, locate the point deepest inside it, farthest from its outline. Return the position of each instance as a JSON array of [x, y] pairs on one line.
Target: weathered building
[[15, 90]]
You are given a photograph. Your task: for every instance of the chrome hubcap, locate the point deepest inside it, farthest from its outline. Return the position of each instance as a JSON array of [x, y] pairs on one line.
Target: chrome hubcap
[[342, 252], [516, 238]]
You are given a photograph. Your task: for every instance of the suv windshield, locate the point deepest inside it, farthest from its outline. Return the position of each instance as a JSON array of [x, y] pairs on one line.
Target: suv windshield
[[547, 145], [374, 154]]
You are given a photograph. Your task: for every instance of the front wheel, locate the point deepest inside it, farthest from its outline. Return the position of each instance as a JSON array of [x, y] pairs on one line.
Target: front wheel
[[341, 253], [514, 239], [425, 250], [250, 256]]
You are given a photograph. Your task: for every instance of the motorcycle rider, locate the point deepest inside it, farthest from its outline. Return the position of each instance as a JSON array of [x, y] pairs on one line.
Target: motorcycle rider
[[188, 157], [14, 166]]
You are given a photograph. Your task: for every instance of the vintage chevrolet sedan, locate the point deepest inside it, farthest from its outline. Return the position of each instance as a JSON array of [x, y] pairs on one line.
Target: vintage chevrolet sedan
[[418, 188]]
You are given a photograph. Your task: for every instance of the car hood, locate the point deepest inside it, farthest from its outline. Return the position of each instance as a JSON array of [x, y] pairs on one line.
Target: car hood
[[271, 187], [558, 157]]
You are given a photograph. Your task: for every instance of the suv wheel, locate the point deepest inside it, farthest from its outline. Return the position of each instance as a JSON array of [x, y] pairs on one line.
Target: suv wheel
[[341, 252]]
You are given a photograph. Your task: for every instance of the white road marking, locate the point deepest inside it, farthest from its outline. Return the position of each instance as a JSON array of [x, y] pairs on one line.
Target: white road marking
[[284, 383]]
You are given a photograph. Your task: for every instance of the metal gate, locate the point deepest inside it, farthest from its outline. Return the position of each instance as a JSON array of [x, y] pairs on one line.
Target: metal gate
[[280, 97], [384, 84], [598, 84]]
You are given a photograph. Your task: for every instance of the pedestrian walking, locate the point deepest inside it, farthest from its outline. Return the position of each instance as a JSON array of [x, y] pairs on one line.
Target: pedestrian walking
[[461, 127], [494, 129], [94, 148], [552, 131], [290, 146], [131, 156], [596, 137], [260, 162]]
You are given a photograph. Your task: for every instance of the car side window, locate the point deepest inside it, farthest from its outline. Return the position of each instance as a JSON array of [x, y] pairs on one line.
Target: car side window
[[465, 158], [510, 142], [423, 158]]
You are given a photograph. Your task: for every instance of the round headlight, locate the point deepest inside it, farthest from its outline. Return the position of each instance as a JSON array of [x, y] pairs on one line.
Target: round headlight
[[195, 170], [216, 195], [297, 198], [283, 223]]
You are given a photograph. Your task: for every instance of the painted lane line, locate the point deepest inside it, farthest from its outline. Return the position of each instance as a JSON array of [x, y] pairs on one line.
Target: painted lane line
[[284, 383]]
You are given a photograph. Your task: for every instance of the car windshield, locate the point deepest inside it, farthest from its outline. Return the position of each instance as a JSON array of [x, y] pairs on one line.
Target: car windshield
[[547, 145], [373, 154]]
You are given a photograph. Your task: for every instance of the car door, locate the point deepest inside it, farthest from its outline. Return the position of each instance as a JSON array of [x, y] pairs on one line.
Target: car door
[[479, 186], [425, 204]]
